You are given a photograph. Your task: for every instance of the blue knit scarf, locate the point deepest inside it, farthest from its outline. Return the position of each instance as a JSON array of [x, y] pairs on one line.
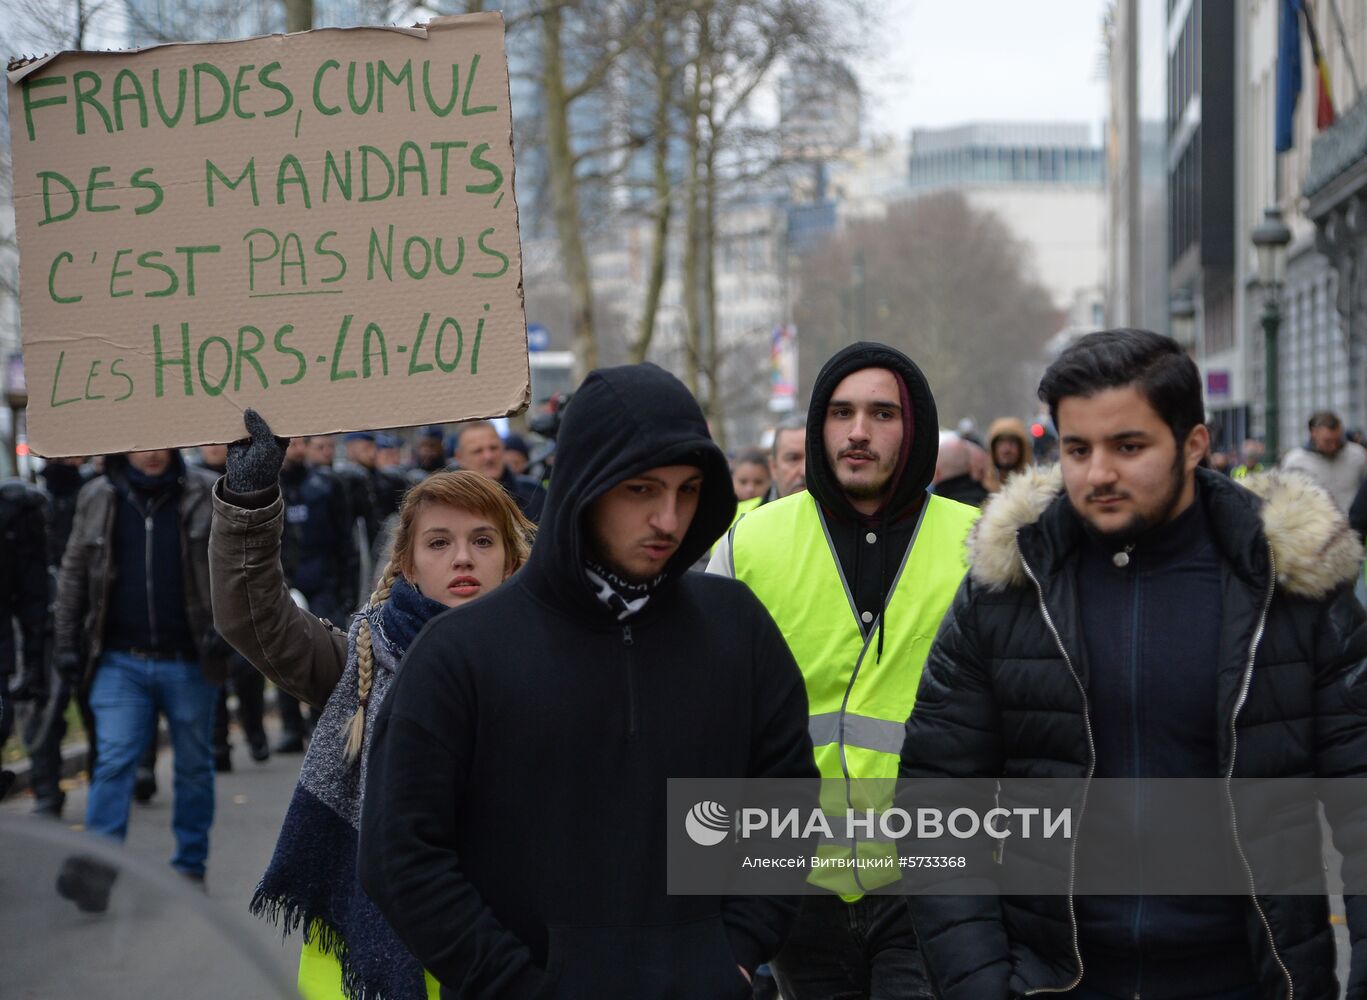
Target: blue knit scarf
[[311, 880]]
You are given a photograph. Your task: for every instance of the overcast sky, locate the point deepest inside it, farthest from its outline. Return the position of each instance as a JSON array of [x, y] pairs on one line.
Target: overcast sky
[[945, 62]]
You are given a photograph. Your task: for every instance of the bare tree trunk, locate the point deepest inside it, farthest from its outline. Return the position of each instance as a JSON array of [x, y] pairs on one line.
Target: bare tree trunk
[[715, 396], [298, 15], [692, 278], [661, 193], [565, 193]]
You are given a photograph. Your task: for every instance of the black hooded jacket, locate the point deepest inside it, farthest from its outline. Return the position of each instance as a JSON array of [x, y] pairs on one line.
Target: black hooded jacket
[[515, 818], [870, 567]]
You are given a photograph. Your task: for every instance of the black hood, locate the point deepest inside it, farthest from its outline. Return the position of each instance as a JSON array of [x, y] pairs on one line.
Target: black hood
[[920, 427], [621, 422]]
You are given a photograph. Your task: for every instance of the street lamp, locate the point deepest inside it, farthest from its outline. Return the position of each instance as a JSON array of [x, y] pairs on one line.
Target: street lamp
[[1182, 312], [1270, 238]]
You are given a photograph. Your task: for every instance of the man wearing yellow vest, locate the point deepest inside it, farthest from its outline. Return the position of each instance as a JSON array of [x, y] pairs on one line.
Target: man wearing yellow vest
[[857, 571]]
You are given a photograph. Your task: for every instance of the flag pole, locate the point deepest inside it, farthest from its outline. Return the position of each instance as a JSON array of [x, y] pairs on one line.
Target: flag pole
[[1347, 52], [1317, 54]]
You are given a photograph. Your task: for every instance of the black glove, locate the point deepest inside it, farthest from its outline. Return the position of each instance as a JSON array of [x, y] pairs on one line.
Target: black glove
[[254, 463], [68, 667]]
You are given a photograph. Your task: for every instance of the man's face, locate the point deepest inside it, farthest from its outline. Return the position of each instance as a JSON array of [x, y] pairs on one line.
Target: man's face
[[516, 461], [1121, 467], [150, 463], [1006, 452], [321, 449], [481, 450], [296, 451], [362, 452], [430, 453], [863, 435], [215, 455], [388, 458], [1252, 452], [637, 525], [1327, 440], [788, 463], [750, 480]]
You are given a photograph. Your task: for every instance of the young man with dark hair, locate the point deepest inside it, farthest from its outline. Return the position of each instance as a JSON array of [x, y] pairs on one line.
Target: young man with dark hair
[[1132, 615], [858, 572], [515, 814]]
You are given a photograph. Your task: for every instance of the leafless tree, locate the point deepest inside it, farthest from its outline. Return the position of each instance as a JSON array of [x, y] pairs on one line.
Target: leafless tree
[[946, 283]]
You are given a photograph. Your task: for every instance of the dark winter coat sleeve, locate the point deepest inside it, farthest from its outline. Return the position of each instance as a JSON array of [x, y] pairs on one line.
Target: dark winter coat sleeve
[[253, 609], [408, 860], [1341, 752], [953, 732], [781, 748]]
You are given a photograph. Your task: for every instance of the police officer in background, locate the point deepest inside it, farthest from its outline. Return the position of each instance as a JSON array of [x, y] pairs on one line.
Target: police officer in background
[[61, 480], [318, 559]]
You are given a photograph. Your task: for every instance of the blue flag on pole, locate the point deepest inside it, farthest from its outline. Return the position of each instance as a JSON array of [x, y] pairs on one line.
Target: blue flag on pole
[[1288, 73]]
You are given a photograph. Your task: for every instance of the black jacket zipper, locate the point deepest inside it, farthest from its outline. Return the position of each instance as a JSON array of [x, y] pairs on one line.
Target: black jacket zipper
[[148, 524]]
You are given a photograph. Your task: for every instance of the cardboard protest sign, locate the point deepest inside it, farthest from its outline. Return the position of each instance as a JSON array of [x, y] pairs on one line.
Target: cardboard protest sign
[[320, 226]]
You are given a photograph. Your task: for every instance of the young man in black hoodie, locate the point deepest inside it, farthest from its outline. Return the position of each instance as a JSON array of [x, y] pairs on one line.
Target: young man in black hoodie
[[858, 572], [1139, 617], [515, 819]]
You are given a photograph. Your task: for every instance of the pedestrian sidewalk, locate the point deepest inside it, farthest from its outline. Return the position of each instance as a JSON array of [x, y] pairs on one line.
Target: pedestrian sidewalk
[[160, 933]]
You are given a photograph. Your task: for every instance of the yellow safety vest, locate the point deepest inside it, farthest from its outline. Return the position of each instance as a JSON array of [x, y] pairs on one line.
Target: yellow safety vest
[[320, 975], [744, 507], [858, 707]]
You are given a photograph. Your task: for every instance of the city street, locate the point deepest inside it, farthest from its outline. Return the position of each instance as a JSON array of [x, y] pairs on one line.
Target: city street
[[159, 935]]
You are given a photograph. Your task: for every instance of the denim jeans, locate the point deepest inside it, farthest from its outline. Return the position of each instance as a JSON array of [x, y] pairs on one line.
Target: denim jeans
[[864, 950], [125, 696]]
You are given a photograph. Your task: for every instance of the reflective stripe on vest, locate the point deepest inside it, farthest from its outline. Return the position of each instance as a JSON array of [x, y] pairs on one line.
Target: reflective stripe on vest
[[744, 507], [858, 707]]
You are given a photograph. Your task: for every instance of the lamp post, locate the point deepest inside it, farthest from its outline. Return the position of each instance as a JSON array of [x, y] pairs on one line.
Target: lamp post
[[1182, 313], [1271, 237]]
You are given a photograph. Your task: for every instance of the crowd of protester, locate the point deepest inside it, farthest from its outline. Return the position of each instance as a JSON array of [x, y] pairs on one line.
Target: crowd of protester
[[879, 598]]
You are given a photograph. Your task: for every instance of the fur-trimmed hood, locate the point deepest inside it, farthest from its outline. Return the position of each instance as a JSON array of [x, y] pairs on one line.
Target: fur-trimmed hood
[[1315, 549]]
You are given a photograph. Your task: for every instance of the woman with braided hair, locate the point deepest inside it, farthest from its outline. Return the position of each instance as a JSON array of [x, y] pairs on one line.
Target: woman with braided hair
[[459, 536]]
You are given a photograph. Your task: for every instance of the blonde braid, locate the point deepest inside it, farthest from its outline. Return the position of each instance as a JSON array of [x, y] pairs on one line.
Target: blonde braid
[[365, 665]]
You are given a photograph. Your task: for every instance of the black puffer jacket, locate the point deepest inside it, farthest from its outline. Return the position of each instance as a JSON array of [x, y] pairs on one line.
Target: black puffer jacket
[[999, 698]]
